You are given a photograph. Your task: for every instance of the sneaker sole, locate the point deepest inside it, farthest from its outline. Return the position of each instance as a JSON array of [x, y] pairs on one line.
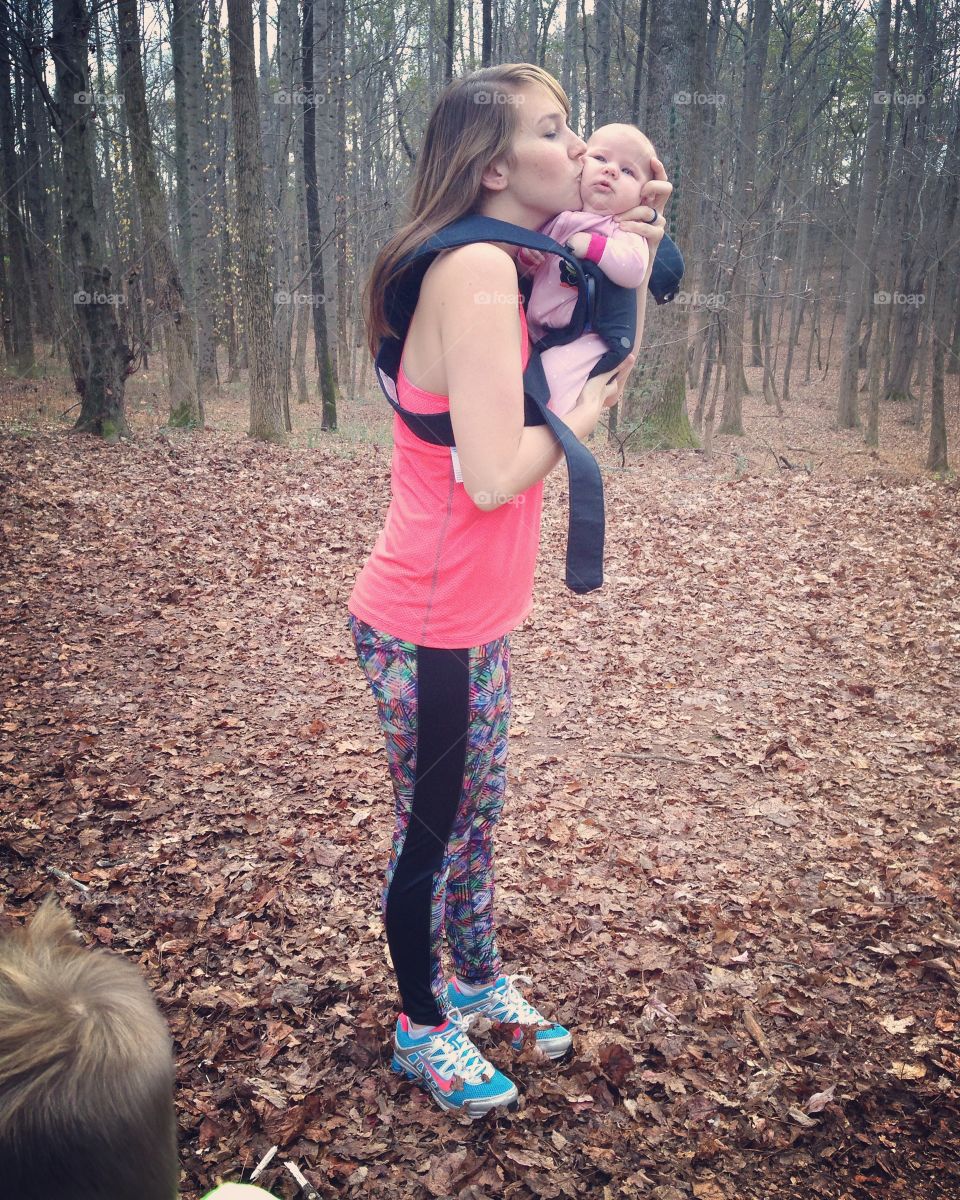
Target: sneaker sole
[[557, 1049], [474, 1109]]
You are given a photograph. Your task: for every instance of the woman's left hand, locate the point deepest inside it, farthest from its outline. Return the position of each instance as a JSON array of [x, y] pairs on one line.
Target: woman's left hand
[[647, 218]]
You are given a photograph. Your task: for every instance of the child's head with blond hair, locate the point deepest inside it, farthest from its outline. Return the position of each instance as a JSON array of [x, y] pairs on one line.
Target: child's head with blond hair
[[86, 1072], [616, 167]]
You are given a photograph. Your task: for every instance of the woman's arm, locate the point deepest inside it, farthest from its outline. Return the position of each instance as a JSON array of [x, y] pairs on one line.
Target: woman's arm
[[477, 301]]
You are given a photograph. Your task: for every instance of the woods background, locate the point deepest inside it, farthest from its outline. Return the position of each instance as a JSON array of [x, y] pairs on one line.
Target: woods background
[[211, 184]]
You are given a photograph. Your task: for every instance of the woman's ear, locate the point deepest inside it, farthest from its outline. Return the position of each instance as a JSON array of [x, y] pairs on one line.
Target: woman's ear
[[494, 177]]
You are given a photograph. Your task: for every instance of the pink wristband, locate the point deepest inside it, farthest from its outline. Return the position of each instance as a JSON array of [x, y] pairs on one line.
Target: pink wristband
[[598, 243]]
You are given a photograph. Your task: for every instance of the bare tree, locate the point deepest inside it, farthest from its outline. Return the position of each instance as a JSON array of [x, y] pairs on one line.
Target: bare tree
[[745, 204], [328, 389], [176, 319], [945, 300], [656, 395], [21, 323], [857, 277], [101, 368], [266, 410]]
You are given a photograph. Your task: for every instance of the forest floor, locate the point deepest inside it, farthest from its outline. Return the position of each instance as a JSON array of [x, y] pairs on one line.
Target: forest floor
[[728, 859]]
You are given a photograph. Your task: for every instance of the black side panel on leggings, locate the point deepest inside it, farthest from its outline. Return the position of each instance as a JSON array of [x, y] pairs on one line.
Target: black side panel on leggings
[[443, 714]]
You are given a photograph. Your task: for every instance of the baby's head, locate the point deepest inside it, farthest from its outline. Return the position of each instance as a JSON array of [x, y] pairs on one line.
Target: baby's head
[[616, 167]]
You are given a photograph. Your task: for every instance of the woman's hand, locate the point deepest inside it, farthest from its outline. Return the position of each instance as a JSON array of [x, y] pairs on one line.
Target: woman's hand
[[645, 219], [527, 261], [604, 391]]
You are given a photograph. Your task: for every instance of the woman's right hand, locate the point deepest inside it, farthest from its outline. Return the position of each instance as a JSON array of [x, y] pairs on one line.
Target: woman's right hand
[[645, 219], [604, 391]]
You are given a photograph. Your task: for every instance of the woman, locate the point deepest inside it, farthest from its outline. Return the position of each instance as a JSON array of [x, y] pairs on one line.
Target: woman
[[452, 570]]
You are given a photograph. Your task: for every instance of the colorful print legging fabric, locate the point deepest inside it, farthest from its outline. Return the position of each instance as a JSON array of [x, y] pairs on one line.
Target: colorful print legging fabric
[[445, 715]]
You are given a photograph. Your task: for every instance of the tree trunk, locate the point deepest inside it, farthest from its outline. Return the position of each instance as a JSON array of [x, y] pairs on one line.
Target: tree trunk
[[909, 297], [328, 391], [186, 409], [486, 44], [178, 37], [745, 198], [953, 363], [638, 62], [858, 275], [661, 373], [202, 183], [40, 187], [21, 322], [798, 274], [450, 35], [341, 174], [948, 261], [266, 410], [282, 201], [103, 353], [219, 135], [602, 97]]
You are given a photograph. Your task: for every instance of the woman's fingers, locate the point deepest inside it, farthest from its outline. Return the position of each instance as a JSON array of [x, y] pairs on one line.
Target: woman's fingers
[[658, 187], [621, 377], [528, 260], [637, 221], [656, 193], [647, 218]]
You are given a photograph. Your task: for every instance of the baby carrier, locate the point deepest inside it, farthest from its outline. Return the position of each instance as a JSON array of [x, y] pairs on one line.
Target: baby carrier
[[602, 307]]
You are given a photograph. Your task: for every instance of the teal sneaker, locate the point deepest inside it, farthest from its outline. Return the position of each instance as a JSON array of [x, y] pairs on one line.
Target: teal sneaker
[[450, 1068], [502, 1003]]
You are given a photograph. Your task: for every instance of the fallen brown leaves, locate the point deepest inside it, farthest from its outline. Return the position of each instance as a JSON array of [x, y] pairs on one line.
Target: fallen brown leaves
[[728, 857]]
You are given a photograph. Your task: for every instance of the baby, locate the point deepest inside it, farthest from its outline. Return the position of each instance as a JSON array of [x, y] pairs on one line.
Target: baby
[[616, 167]]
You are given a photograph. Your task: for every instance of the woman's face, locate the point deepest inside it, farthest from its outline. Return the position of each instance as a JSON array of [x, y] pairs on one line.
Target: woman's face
[[544, 177]]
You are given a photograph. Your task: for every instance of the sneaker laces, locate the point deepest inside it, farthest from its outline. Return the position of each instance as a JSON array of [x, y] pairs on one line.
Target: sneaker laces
[[454, 1051], [511, 1003]]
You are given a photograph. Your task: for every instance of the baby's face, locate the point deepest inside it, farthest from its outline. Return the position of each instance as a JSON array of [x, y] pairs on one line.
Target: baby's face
[[615, 168]]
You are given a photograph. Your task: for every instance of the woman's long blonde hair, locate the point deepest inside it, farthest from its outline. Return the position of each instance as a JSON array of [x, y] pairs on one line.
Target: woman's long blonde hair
[[472, 123]]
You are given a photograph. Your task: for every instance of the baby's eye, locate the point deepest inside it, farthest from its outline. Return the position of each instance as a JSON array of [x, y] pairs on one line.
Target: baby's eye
[[598, 157], [628, 171]]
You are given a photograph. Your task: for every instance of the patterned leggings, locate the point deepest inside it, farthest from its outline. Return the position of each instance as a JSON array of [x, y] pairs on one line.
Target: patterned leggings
[[445, 715]]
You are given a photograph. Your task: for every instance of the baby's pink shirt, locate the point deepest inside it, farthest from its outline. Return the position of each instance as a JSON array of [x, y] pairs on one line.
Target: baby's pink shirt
[[624, 261]]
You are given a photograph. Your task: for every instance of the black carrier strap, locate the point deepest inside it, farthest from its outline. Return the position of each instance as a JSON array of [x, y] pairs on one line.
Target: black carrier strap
[[584, 569]]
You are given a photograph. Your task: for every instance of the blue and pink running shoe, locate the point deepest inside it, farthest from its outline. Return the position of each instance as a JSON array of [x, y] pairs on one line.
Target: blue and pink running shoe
[[450, 1068], [502, 1003]]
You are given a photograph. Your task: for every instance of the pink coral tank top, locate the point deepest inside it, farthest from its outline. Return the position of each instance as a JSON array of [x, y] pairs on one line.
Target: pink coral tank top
[[442, 572]]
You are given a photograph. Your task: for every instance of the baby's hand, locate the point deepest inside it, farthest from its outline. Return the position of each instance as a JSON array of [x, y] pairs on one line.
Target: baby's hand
[[578, 244]]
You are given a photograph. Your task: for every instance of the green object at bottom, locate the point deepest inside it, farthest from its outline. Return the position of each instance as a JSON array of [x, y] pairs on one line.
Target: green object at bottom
[[238, 1191]]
